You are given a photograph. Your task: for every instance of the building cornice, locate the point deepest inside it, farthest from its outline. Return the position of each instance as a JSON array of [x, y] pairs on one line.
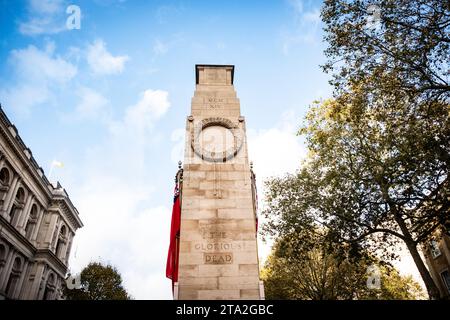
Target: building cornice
[[24, 242], [33, 253], [11, 135], [49, 257], [67, 210]]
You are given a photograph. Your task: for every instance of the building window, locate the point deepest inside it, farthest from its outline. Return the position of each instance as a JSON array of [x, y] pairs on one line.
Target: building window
[[2, 254], [20, 196], [434, 249], [61, 241], [12, 213], [14, 278], [446, 279], [32, 219], [17, 205], [4, 176], [4, 184], [49, 287]]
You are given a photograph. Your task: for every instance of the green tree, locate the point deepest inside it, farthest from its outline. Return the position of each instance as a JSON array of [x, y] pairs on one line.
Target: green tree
[[98, 282], [401, 45], [379, 152], [395, 287], [370, 178], [331, 274], [395, 74]]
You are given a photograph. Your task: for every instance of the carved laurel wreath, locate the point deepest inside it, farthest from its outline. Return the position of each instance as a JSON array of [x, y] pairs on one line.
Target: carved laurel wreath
[[211, 155]]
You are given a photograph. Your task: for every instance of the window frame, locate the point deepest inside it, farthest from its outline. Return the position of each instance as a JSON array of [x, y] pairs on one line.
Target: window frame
[[446, 283], [6, 169]]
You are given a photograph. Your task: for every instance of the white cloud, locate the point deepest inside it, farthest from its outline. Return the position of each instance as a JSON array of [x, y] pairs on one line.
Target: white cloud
[[149, 241], [92, 103], [118, 231], [36, 26], [114, 199], [152, 105], [23, 97], [274, 152], [277, 150], [161, 47], [33, 64], [37, 73], [44, 17], [46, 6], [139, 118], [103, 62], [312, 17], [305, 28], [297, 5], [177, 137]]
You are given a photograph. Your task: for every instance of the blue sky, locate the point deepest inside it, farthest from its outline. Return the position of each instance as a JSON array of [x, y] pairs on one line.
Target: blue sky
[[110, 101]]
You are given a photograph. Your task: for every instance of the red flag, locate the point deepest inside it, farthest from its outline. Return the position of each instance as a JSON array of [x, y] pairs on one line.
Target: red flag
[[172, 257], [256, 208]]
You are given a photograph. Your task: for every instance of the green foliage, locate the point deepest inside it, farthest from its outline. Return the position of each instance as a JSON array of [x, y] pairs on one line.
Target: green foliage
[[370, 178], [396, 287], [99, 282], [390, 119], [377, 171], [407, 52], [325, 273]]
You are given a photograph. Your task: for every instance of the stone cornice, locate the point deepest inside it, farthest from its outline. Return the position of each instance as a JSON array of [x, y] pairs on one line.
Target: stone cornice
[[68, 211], [32, 250], [213, 66], [49, 257], [5, 225], [11, 135]]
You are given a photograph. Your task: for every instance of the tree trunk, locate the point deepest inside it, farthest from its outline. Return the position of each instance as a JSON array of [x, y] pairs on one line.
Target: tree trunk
[[432, 289]]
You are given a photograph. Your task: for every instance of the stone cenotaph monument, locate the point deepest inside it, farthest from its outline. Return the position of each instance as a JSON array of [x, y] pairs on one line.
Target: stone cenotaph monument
[[218, 257]]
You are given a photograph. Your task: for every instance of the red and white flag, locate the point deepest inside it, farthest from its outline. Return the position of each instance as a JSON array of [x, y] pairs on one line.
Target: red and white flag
[[172, 256]]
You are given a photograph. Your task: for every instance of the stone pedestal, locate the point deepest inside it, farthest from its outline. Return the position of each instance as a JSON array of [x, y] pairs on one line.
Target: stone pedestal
[[218, 246]]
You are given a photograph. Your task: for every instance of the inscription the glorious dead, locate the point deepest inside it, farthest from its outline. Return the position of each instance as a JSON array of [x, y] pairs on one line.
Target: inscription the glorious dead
[[218, 258]]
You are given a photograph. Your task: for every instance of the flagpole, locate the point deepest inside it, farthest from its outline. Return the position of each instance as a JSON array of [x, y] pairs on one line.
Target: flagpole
[[52, 165], [50, 172]]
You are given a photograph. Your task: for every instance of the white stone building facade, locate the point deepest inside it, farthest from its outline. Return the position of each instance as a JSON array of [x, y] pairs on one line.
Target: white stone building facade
[[37, 224]]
